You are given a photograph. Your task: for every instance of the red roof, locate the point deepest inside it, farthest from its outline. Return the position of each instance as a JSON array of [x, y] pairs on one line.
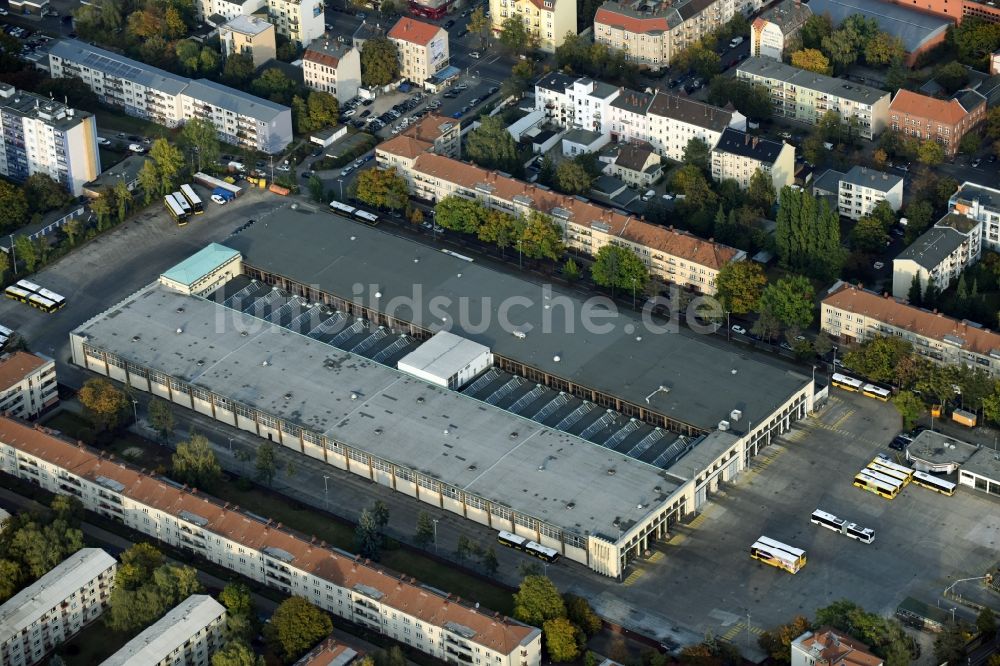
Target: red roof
[[630, 23], [412, 31], [15, 367], [946, 112]]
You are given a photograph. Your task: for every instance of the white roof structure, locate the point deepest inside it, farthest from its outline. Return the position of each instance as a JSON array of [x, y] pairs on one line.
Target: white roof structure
[[30, 604], [442, 356], [169, 633]]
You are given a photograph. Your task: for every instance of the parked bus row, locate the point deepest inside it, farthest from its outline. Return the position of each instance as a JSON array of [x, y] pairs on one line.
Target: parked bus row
[[35, 296], [5, 335], [885, 477], [527, 546], [855, 385], [350, 211]]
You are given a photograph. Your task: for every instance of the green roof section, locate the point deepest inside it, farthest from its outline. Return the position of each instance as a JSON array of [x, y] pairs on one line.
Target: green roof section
[[200, 264]]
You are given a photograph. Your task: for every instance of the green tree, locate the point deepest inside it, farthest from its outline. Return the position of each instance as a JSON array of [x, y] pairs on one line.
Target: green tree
[[910, 408], [148, 180], [237, 653], [379, 62], [778, 641], [697, 153], [265, 465], [952, 76], [40, 547], [619, 268], [841, 50], [169, 162], [241, 620], [137, 565], [761, 191], [238, 70], [885, 636], [878, 357], [580, 613], [916, 294], [200, 136], [383, 188], [560, 640], [541, 238], [514, 37], [949, 645], [123, 199], [106, 404], [194, 463], [499, 228], [690, 181], [295, 627], [13, 206], [323, 110], [930, 152], [479, 24], [368, 535], [460, 214], [5, 261], [884, 49], [424, 534], [739, 286], [986, 622], [537, 600], [807, 235], [490, 562], [316, 190], [11, 579], [275, 85], [571, 271], [131, 609], [161, 417], [790, 301], [26, 252], [491, 146], [868, 235], [572, 178], [753, 101], [44, 194], [970, 143], [816, 27], [812, 60]]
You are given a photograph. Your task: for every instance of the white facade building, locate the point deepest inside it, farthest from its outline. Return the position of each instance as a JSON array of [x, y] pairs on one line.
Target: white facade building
[[861, 189], [332, 67], [674, 120], [42, 135], [27, 384], [945, 250], [301, 21], [981, 204], [345, 586], [186, 636], [227, 9], [52, 609], [422, 48], [447, 360], [738, 155]]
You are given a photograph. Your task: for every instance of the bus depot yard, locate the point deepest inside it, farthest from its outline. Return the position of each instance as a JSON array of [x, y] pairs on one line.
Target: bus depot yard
[[924, 541]]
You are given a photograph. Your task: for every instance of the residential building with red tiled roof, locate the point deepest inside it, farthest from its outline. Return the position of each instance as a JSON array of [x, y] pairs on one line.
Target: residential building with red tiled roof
[[329, 653], [853, 314], [651, 34], [423, 48], [547, 21], [672, 255], [332, 67], [829, 647], [944, 121], [27, 384], [366, 594]]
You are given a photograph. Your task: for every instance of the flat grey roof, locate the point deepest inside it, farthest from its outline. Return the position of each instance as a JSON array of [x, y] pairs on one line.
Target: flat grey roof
[[443, 355], [938, 448], [773, 69], [876, 180], [234, 100], [707, 377], [984, 462], [914, 28], [556, 477], [112, 64], [158, 641], [986, 196], [829, 182], [247, 25], [933, 246]]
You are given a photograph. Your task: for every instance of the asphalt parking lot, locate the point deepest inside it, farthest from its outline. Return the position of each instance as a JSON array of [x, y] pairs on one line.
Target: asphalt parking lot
[[706, 581]]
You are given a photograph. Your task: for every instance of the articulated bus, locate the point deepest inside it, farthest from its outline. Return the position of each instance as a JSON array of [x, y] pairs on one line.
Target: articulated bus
[[876, 392], [527, 546], [853, 530], [883, 489], [930, 482], [15, 293], [196, 204], [845, 382], [57, 300], [28, 286], [42, 303], [342, 207], [368, 218], [903, 479], [176, 211], [886, 461], [778, 554]]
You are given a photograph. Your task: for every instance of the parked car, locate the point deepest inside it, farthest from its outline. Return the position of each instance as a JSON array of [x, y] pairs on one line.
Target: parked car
[[346, 171], [976, 162], [217, 199], [3, 12], [102, 141], [449, 23], [878, 265], [137, 148], [476, 54], [739, 330]]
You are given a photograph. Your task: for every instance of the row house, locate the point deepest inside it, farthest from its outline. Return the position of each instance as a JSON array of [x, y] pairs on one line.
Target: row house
[[394, 606]]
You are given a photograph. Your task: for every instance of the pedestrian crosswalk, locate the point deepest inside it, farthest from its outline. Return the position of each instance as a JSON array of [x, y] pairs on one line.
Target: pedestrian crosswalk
[[741, 628]]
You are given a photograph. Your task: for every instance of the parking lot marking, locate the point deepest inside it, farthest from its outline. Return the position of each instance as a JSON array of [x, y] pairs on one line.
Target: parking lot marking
[[632, 577], [846, 415], [656, 557], [741, 628], [677, 539]]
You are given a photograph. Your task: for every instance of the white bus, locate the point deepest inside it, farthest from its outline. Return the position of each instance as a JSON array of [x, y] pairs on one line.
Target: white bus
[[778, 554], [885, 490], [341, 207], [845, 382], [57, 299], [196, 204], [176, 211], [876, 392], [182, 202], [930, 482], [903, 479], [523, 544], [28, 286], [370, 218], [886, 461], [862, 534], [883, 477], [832, 522]]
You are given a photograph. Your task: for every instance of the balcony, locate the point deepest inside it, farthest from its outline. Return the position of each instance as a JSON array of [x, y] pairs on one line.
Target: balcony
[[454, 657]]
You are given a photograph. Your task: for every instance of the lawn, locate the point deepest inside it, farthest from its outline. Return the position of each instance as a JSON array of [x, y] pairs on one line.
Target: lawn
[[110, 120], [300, 518], [92, 645]]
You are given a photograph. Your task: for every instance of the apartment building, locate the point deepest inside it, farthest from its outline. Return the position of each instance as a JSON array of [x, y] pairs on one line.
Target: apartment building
[[675, 119], [396, 606], [301, 21], [739, 155], [332, 67], [650, 34], [777, 28], [859, 190], [248, 35], [981, 204], [51, 610], [27, 384], [43, 135], [153, 94], [671, 255], [573, 102], [187, 635], [636, 164], [829, 647], [547, 21], [945, 250], [944, 121], [226, 10], [807, 96], [853, 314], [329, 653], [423, 48]]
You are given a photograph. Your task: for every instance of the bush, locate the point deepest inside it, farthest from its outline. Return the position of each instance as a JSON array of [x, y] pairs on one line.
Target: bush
[[337, 161]]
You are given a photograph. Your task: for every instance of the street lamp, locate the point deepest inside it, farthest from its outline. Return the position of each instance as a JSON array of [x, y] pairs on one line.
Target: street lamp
[[520, 265], [728, 329], [340, 181], [435, 521], [326, 492], [633, 293], [13, 257], [230, 446], [135, 411]]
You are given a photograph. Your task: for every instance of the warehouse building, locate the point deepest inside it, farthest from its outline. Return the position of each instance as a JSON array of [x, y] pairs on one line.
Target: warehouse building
[[440, 625]]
